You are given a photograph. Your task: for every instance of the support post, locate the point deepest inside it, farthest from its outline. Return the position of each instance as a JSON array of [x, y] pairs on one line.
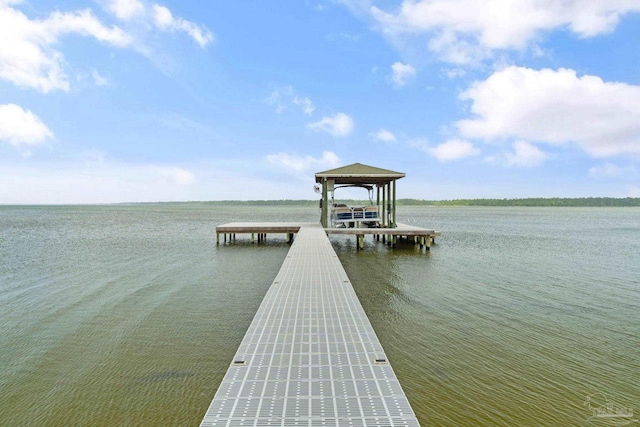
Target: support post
[[252, 237], [384, 207], [394, 204], [388, 207], [325, 204], [378, 200], [217, 239]]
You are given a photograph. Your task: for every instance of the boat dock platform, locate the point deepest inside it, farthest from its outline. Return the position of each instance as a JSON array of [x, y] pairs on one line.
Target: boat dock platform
[[419, 236], [310, 356]]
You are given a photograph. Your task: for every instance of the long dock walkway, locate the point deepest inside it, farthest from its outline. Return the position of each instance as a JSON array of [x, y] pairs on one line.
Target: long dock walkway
[[310, 356]]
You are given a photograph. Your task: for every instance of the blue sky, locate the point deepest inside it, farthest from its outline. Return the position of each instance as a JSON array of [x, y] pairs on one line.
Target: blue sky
[[105, 101]]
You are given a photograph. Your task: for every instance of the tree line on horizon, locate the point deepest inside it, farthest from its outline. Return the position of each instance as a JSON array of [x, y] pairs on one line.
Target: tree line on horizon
[[525, 202]]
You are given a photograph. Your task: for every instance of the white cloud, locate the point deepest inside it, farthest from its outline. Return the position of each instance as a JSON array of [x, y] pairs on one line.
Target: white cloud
[[300, 165], [555, 107], [82, 22], [125, 9], [175, 175], [284, 97], [524, 154], [338, 125], [454, 149], [275, 100], [383, 135], [159, 17], [462, 31], [22, 128], [402, 73], [164, 20], [98, 79], [101, 180], [305, 104], [605, 170], [342, 36], [27, 58], [610, 170], [454, 73]]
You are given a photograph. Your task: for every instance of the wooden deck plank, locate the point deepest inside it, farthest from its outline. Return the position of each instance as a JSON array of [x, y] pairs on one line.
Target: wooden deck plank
[[277, 227], [260, 227]]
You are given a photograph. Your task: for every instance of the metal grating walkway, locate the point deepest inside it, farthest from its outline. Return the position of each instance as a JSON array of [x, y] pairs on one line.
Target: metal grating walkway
[[310, 356]]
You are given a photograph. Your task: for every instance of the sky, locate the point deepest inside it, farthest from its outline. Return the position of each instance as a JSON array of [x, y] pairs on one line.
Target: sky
[[109, 101]]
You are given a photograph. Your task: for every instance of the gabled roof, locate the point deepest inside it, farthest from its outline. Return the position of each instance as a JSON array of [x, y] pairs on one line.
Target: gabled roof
[[357, 173]]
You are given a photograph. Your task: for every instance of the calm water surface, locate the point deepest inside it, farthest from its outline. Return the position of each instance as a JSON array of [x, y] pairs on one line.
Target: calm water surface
[[129, 315]]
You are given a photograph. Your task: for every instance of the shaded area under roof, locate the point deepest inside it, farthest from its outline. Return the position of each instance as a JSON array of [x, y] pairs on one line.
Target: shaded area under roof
[[357, 173]]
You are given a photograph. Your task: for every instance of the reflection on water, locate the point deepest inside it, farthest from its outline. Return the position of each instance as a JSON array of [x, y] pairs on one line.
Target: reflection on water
[[129, 315]]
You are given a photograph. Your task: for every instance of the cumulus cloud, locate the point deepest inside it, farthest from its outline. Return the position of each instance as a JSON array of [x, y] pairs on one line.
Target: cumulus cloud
[[164, 19], [402, 73], [21, 128], [605, 170], [300, 165], [454, 73], [338, 125], [159, 17], [305, 105], [276, 100], [454, 149], [383, 135], [125, 9], [27, 58], [524, 154], [461, 31], [98, 79], [555, 107], [610, 170], [285, 97]]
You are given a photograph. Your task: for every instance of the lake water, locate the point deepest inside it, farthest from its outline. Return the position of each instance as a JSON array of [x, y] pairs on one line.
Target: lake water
[[130, 315]]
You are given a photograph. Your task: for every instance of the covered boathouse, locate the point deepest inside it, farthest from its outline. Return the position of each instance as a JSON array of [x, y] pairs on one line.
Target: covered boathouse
[[377, 219], [382, 182]]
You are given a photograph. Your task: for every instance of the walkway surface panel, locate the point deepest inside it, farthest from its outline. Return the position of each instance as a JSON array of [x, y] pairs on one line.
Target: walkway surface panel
[[310, 356]]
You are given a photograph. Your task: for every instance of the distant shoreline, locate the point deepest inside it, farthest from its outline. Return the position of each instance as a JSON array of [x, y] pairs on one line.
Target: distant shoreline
[[525, 202]]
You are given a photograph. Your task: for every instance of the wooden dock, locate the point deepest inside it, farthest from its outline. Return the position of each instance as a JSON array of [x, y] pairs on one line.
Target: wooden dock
[[419, 236], [310, 356]]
